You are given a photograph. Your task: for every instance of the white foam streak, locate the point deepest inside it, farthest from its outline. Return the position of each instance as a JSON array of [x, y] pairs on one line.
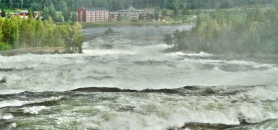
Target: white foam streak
[[7, 116], [128, 64], [34, 109], [11, 103], [7, 103]]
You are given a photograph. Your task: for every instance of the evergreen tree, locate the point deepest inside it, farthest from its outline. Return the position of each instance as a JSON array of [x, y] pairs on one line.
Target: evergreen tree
[[148, 16], [74, 17], [3, 11], [258, 16], [31, 14], [7, 31], [164, 12], [184, 11], [156, 15], [45, 13], [16, 21], [60, 18], [65, 12], [39, 32], [52, 11], [119, 17], [168, 39], [157, 8], [141, 17], [276, 4], [21, 4], [176, 11]]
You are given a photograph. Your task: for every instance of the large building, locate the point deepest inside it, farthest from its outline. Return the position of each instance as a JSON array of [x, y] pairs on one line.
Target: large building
[[92, 14], [131, 14]]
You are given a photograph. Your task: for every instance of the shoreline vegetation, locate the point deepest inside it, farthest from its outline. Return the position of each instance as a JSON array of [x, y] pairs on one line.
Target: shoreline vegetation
[[238, 28], [132, 23], [250, 31], [22, 34], [35, 50]]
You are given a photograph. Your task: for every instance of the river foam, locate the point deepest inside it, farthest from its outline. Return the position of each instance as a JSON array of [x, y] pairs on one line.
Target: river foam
[[128, 64]]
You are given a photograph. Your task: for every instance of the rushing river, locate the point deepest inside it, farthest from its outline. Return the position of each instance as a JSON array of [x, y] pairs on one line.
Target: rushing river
[[126, 82]]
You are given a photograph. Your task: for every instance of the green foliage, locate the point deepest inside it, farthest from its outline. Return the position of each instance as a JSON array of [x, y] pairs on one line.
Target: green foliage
[[141, 17], [113, 5], [164, 12], [109, 31], [119, 17], [148, 16], [36, 6], [184, 11], [3, 11], [168, 39], [65, 11], [16, 32], [251, 32], [52, 11], [156, 15], [31, 14], [276, 4], [45, 13], [5, 46], [157, 8], [74, 17], [60, 18], [176, 11]]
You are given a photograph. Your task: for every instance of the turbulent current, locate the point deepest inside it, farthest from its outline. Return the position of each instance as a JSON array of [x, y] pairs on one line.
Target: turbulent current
[[125, 81]]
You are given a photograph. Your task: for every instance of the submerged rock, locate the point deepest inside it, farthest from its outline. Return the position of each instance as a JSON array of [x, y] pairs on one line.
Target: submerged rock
[[3, 80], [206, 126], [56, 52], [3, 123]]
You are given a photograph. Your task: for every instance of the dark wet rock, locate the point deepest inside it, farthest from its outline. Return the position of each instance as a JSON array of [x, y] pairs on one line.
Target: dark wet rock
[[97, 89], [208, 91], [206, 126], [6, 69], [20, 113], [68, 52], [191, 88], [39, 51], [169, 91], [13, 69], [243, 122], [56, 52], [3, 123], [13, 52], [107, 46], [150, 62], [3, 80]]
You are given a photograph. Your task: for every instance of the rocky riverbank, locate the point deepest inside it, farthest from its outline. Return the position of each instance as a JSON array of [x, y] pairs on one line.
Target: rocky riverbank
[[40, 51]]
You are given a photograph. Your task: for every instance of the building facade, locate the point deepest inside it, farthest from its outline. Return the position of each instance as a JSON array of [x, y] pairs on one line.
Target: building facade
[[92, 14], [131, 14]]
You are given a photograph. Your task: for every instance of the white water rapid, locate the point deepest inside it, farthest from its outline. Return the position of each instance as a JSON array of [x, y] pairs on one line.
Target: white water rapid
[[225, 92]]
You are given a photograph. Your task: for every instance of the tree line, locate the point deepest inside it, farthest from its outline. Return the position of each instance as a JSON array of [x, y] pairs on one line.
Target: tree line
[[16, 32], [113, 5], [238, 31]]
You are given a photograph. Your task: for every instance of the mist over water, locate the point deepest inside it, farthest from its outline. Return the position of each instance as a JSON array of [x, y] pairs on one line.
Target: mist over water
[[223, 92]]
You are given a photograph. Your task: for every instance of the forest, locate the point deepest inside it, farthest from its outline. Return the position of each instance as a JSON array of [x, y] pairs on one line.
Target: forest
[[16, 32], [112, 5], [248, 31], [246, 26]]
